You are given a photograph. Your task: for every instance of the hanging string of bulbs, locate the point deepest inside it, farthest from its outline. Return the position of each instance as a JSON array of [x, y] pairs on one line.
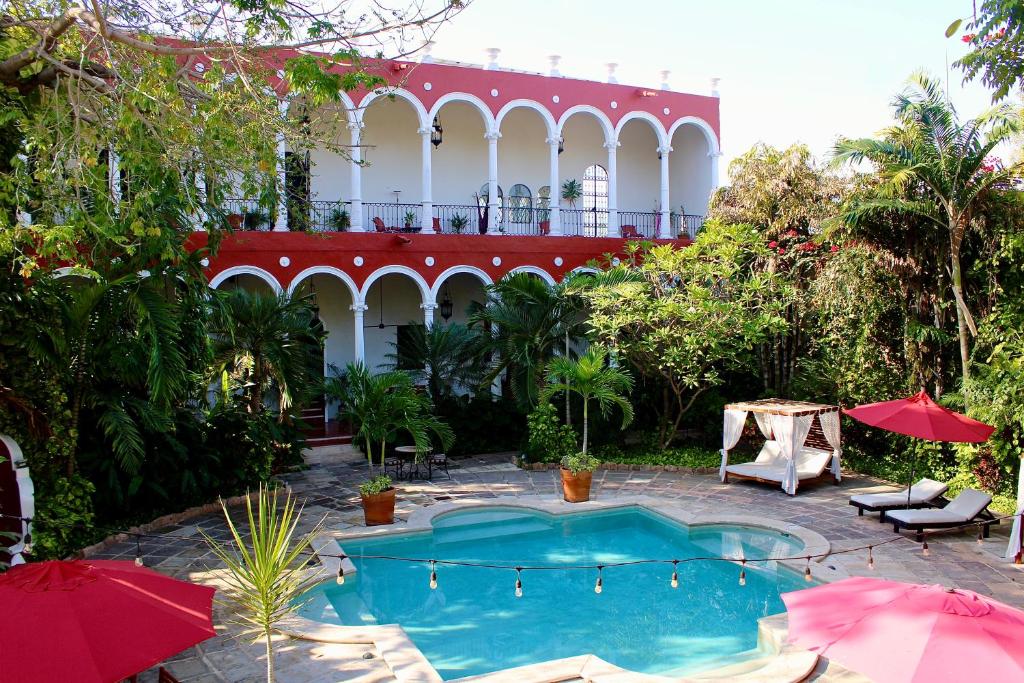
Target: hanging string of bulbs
[[599, 583]]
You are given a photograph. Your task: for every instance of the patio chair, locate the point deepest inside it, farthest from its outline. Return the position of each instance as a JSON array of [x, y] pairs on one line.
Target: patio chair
[[438, 460], [630, 232], [924, 494], [379, 226], [967, 507], [436, 224], [395, 463]]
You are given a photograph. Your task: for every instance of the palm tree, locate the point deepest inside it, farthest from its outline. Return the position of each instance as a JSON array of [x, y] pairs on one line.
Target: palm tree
[[447, 357], [591, 378], [264, 342], [526, 323], [935, 166], [382, 406]]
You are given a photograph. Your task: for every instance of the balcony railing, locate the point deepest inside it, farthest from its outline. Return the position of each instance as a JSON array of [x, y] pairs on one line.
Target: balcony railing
[[584, 222], [246, 214], [461, 219], [639, 224], [391, 216], [330, 216], [686, 225]]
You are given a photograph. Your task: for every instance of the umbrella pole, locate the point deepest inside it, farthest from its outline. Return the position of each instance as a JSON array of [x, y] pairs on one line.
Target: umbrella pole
[[910, 484]]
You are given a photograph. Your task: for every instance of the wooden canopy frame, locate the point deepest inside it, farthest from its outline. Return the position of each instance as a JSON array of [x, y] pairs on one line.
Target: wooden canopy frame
[[782, 406]]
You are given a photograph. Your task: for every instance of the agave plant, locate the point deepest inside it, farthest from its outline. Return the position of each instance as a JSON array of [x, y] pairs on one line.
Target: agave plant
[[267, 576]]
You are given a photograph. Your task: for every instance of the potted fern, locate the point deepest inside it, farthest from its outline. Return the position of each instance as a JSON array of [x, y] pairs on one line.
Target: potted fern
[[459, 222], [592, 379], [571, 191], [340, 220], [410, 218]]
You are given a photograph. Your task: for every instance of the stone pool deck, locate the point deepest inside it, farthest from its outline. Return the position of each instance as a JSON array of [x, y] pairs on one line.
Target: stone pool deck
[[329, 489]]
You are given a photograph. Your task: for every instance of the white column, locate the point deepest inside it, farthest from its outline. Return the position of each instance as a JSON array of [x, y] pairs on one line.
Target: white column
[[613, 189], [715, 156], [492, 182], [554, 213], [281, 222], [427, 217], [428, 313], [665, 229], [360, 343], [114, 173], [356, 178]]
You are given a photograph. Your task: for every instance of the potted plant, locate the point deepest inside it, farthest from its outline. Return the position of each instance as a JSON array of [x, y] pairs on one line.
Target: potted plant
[[340, 220], [571, 191], [410, 218], [255, 219], [459, 222], [378, 500], [591, 378]]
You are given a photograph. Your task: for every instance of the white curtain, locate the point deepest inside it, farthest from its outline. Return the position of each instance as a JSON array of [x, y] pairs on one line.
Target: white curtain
[[790, 432], [732, 430], [764, 423], [1014, 547], [830, 426], [26, 495]]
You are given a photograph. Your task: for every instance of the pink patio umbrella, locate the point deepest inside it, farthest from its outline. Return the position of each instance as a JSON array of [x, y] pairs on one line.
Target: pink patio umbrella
[[896, 632]]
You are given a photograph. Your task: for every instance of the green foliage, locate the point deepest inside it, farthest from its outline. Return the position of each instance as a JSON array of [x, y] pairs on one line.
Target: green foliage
[[340, 220], [268, 567], [482, 424], [376, 485], [697, 457], [997, 45], [64, 517], [445, 356], [459, 222], [548, 440], [572, 190], [579, 462]]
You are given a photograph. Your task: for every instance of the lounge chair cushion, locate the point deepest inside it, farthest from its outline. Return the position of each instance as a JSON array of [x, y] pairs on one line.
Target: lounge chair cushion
[[811, 462], [922, 492], [963, 508]]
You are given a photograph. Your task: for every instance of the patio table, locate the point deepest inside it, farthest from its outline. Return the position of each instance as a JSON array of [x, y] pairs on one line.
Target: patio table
[[410, 453]]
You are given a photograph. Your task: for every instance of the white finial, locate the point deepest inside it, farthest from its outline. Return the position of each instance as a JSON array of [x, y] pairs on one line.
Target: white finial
[[492, 55], [664, 79], [425, 56], [714, 86], [554, 60], [612, 66]]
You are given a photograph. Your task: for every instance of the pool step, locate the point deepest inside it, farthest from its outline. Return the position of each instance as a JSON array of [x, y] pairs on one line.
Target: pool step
[[486, 525]]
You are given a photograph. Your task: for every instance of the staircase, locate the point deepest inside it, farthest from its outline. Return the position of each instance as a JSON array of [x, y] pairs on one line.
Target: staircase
[[320, 433]]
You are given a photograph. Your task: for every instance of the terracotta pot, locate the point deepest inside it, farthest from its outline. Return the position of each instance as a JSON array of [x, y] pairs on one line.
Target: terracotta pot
[[379, 508], [576, 487], [235, 221]]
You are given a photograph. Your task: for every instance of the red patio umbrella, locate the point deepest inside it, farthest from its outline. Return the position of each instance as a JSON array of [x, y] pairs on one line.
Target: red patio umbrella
[[97, 620], [922, 417], [896, 632]]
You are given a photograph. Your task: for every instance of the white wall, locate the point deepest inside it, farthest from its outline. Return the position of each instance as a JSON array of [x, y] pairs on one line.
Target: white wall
[[330, 171], [690, 170], [523, 155], [459, 163], [639, 168], [248, 282], [584, 146], [401, 306], [391, 148], [463, 288]]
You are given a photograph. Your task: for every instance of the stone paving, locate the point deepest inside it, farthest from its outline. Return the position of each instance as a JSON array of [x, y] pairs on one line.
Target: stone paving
[[330, 491]]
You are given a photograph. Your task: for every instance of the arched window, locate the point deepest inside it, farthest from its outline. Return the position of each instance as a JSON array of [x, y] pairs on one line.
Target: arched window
[[595, 199], [544, 203], [483, 198], [520, 204]]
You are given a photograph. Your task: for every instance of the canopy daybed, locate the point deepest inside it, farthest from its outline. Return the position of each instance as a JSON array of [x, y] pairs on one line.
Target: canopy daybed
[[797, 446]]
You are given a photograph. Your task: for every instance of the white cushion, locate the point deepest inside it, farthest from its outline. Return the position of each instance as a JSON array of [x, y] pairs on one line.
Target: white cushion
[[771, 455], [926, 516], [752, 469], [923, 491], [811, 462], [969, 503]]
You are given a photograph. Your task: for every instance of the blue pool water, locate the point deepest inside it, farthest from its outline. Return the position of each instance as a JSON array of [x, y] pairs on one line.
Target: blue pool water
[[473, 623]]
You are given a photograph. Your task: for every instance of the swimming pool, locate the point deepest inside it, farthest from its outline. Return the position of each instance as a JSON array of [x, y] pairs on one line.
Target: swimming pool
[[472, 623]]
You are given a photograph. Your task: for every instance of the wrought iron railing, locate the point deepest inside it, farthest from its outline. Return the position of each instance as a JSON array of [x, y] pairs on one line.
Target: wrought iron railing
[[391, 217], [584, 222], [639, 224], [524, 220], [686, 225], [461, 219], [327, 216], [246, 214]]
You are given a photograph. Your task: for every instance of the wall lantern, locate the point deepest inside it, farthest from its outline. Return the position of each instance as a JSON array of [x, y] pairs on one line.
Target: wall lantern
[[561, 144], [436, 132], [648, 93], [446, 306]]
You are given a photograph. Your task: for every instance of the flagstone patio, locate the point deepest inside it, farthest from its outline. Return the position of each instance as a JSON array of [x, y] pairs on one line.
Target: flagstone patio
[[330, 491]]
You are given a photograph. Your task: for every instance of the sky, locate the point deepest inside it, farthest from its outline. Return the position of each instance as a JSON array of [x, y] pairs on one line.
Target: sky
[[792, 70]]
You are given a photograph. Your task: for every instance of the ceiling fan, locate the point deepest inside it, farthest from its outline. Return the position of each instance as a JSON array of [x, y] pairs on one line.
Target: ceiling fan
[[380, 325]]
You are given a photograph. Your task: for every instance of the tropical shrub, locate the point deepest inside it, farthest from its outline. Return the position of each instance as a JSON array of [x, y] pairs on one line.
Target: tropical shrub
[[548, 440], [579, 462], [483, 424]]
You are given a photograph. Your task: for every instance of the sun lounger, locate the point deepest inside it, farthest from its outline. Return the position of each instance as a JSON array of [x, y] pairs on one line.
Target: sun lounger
[[770, 465], [967, 507], [923, 494]]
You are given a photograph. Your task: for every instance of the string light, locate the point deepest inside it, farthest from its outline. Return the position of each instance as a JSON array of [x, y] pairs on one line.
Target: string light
[[519, 582], [807, 571], [743, 572], [138, 551], [871, 559], [675, 574], [981, 536], [599, 586], [924, 548], [433, 575], [341, 570]]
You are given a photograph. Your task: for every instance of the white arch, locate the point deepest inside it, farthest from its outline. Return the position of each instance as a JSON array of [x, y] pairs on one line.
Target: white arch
[[705, 127], [353, 290], [659, 130], [467, 98], [264, 275], [425, 292], [549, 120], [455, 270], [584, 269], [533, 270], [602, 119], [421, 111], [66, 271]]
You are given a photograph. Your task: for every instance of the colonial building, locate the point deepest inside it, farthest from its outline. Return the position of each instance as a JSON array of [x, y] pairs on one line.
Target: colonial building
[[457, 177]]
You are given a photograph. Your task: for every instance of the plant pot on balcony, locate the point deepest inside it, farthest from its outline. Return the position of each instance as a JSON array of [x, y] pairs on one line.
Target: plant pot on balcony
[[235, 221], [379, 508], [576, 487]]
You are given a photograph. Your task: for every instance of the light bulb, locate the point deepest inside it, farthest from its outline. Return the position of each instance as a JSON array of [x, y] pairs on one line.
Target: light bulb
[[138, 561], [871, 559], [807, 571], [27, 550], [519, 583], [433, 576], [743, 573], [341, 574], [924, 549], [599, 586], [675, 574], [981, 537]]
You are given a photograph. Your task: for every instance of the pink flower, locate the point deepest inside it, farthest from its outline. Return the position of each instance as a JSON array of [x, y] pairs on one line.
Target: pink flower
[[834, 249], [967, 37], [781, 250], [773, 244], [792, 233]]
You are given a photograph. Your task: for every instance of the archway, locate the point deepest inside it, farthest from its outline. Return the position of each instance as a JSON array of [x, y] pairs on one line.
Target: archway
[[639, 175], [330, 168], [523, 165], [691, 176], [458, 166], [459, 289], [584, 135], [393, 301], [391, 186], [333, 296], [249, 278]]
